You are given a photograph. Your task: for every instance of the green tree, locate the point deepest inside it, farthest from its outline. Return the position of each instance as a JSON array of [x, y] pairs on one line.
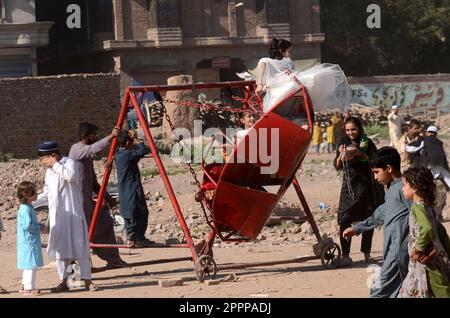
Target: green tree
[[414, 37]]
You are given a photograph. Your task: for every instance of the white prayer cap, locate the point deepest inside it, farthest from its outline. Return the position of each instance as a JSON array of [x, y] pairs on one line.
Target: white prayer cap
[[394, 107], [433, 129]]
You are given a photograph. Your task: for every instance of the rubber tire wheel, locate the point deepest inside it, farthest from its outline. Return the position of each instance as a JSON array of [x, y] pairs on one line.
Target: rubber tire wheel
[[329, 258], [205, 266]]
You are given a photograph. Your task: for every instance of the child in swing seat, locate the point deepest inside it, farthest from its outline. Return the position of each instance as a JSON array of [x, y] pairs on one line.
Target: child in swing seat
[[247, 119]]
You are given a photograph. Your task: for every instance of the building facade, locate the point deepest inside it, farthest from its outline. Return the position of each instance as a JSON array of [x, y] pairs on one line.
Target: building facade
[[20, 35], [147, 41]]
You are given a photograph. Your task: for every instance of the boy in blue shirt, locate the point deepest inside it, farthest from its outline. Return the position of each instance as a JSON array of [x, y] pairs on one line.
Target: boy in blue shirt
[[393, 214], [133, 206]]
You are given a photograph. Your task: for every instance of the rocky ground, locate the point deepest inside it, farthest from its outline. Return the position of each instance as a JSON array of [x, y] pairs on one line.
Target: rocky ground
[[320, 183], [163, 222]]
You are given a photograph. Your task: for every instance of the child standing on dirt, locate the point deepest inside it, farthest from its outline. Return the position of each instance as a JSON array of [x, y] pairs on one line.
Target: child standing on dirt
[[29, 247], [360, 194], [317, 137], [393, 214], [133, 206], [330, 136], [433, 278], [324, 144]]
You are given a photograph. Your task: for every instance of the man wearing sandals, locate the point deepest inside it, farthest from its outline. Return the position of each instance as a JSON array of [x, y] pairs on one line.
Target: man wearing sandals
[[68, 237], [84, 152]]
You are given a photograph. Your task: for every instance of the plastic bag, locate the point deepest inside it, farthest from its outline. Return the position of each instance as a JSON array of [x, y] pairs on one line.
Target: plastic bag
[[327, 87]]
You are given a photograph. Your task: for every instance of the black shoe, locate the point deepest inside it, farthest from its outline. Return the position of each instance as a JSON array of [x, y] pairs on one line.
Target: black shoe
[[145, 243], [117, 264]]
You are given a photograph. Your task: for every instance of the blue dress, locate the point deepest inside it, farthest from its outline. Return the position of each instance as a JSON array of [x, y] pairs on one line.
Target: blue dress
[[29, 247]]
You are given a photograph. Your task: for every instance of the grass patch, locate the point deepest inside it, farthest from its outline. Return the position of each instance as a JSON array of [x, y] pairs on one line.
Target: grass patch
[[171, 171], [152, 172], [326, 218], [373, 129], [5, 156]]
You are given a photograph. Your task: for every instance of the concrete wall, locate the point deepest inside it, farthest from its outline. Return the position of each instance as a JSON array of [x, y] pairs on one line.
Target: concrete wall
[[39, 108], [20, 11]]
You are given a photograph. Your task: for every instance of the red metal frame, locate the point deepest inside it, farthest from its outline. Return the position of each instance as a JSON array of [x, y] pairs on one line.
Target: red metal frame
[[131, 98]]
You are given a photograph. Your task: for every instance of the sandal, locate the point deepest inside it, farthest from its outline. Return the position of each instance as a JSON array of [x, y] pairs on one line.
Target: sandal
[[29, 292], [90, 286], [61, 288], [3, 291], [131, 244]]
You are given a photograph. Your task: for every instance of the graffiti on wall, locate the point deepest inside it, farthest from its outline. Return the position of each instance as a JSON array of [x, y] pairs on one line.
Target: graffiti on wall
[[417, 95]]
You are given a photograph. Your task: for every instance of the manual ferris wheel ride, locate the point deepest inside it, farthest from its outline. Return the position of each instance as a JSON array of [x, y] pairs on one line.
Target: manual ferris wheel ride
[[240, 204]]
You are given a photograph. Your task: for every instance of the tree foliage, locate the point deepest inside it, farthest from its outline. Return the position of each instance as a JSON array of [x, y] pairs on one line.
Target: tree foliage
[[414, 37]]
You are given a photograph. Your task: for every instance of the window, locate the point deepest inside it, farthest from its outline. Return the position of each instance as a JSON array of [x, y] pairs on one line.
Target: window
[[102, 16], [15, 65]]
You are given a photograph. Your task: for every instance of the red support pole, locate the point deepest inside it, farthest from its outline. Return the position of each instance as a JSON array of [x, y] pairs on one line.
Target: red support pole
[[164, 176], [184, 87], [308, 213], [309, 111], [107, 173]]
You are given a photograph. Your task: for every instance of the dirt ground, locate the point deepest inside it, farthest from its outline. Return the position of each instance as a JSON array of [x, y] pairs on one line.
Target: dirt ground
[[320, 183]]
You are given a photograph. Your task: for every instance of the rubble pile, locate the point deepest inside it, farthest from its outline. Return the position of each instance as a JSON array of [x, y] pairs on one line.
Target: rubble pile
[[163, 223], [11, 175]]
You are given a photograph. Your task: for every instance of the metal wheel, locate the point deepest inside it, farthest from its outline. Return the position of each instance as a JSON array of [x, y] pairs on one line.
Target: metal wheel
[[119, 224], [205, 267], [118, 220], [331, 255]]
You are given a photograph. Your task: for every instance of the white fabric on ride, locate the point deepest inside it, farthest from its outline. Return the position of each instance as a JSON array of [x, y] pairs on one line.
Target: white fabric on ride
[[326, 85], [276, 80], [273, 68]]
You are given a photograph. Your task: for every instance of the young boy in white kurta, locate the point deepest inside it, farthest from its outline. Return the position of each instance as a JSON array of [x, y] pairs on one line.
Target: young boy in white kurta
[[68, 236]]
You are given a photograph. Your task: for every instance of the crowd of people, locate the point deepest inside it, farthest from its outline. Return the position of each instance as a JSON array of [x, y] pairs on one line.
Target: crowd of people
[[68, 188], [416, 246], [413, 169]]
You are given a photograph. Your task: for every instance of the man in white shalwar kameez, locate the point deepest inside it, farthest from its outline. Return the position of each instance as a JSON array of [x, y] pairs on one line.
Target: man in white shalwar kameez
[[395, 122], [68, 237]]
